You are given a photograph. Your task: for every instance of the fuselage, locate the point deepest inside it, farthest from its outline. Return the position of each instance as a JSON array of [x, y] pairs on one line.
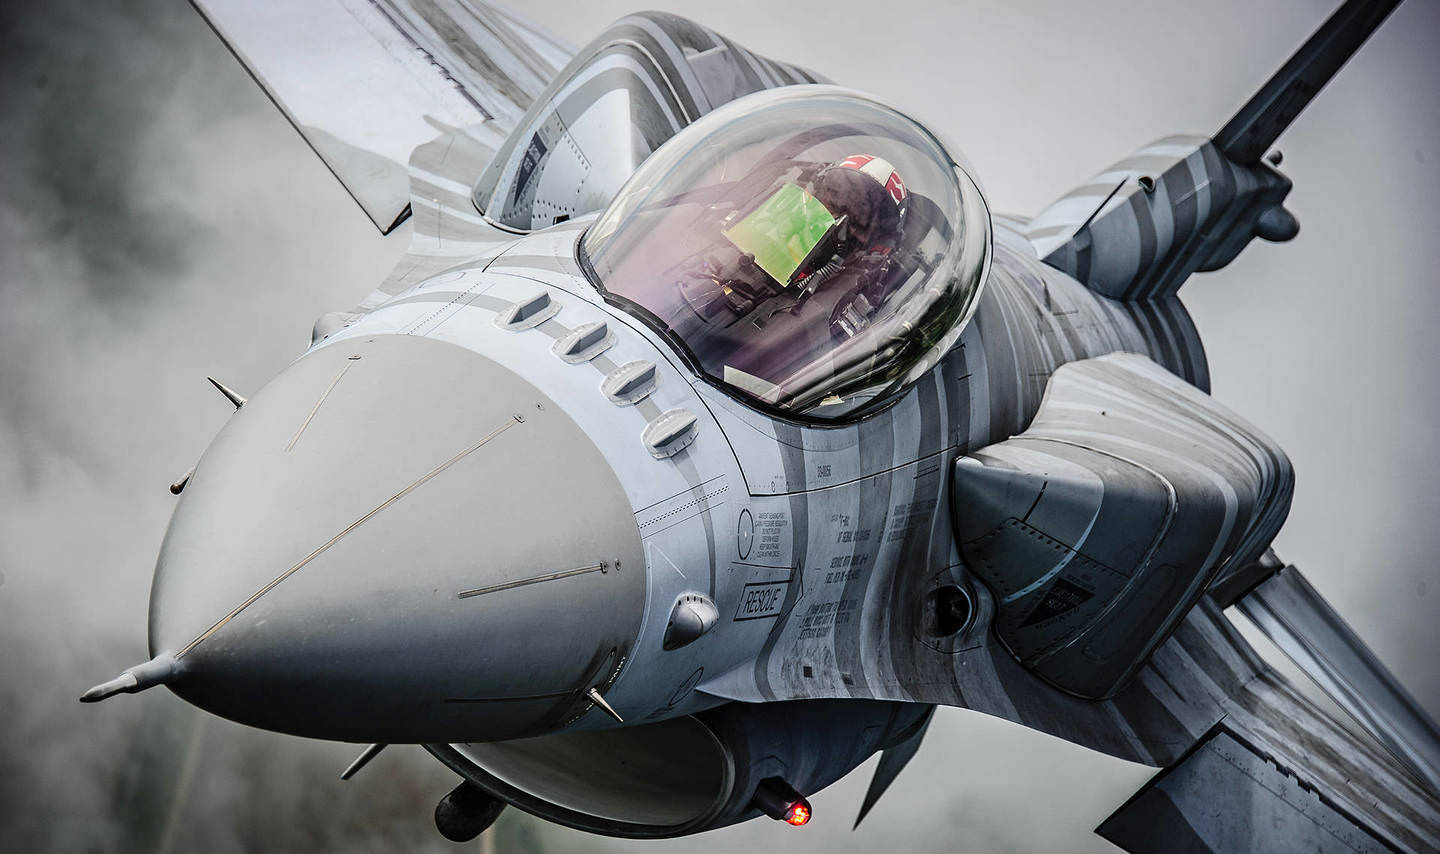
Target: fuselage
[[562, 550]]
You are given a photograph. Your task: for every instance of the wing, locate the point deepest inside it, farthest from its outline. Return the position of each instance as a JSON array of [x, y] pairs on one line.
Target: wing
[[636, 84], [1184, 204], [1298, 620], [1280, 774], [1252, 130], [366, 82], [1231, 794]]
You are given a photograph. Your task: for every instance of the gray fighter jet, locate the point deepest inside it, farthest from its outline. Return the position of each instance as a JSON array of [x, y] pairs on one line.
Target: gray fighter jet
[[714, 430]]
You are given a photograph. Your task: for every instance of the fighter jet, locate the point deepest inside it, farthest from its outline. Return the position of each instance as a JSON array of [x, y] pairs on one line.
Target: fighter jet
[[714, 430]]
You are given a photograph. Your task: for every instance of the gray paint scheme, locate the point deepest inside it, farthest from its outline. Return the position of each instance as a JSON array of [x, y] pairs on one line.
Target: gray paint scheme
[[1103, 523], [1139, 229], [295, 583], [1196, 808], [1203, 673], [406, 69], [652, 73], [1293, 615], [820, 547]]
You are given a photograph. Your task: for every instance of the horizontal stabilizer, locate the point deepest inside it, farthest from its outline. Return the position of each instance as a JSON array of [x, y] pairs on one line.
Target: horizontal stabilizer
[[1227, 796]]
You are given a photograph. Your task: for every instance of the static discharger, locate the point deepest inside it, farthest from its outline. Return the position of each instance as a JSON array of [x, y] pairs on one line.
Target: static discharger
[[157, 671]]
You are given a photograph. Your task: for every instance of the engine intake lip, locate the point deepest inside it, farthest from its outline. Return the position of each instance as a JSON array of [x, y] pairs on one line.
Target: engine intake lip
[[652, 781]]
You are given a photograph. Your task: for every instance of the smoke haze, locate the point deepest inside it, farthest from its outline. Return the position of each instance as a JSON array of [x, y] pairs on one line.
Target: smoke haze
[[161, 221]]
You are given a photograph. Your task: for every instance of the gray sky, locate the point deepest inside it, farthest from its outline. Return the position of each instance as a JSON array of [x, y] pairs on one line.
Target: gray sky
[[161, 221]]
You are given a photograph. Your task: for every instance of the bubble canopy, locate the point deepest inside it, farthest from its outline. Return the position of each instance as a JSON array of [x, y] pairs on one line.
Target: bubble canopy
[[806, 248]]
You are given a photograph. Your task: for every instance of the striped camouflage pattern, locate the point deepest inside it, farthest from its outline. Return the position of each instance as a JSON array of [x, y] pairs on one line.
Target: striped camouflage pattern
[[1139, 229], [1061, 470], [824, 548], [1031, 317], [851, 527], [856, 510], [814, 496], [672, 71], [1102, 524]]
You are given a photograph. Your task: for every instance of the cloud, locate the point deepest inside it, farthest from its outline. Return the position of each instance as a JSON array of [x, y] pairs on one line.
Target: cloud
[[109, 259]]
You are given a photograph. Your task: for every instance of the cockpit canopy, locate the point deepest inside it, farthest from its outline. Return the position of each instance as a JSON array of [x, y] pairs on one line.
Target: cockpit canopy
[[807, 248]]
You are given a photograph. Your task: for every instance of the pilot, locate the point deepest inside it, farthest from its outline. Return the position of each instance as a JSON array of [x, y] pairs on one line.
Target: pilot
[[875, 220], [832, 231]]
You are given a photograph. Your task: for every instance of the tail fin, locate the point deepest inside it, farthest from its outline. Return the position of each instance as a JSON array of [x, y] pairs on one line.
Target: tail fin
[[1188, 203]]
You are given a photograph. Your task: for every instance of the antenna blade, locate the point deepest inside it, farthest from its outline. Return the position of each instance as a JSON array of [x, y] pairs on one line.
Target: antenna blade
[[361, 761], [892, 762], [179, 486], [599, 700], [230, 394]]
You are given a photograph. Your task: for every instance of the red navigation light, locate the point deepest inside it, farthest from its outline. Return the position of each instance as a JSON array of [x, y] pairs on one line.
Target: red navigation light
[[779, 800]]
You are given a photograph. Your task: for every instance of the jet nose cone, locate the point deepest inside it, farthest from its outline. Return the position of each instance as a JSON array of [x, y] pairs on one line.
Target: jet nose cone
[[399, 540]]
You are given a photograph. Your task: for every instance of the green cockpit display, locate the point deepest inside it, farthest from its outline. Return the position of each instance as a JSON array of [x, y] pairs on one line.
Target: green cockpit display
[[782, 231]]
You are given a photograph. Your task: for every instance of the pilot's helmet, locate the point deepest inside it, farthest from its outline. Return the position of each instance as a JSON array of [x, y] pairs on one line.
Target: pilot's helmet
[[869, 193]]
